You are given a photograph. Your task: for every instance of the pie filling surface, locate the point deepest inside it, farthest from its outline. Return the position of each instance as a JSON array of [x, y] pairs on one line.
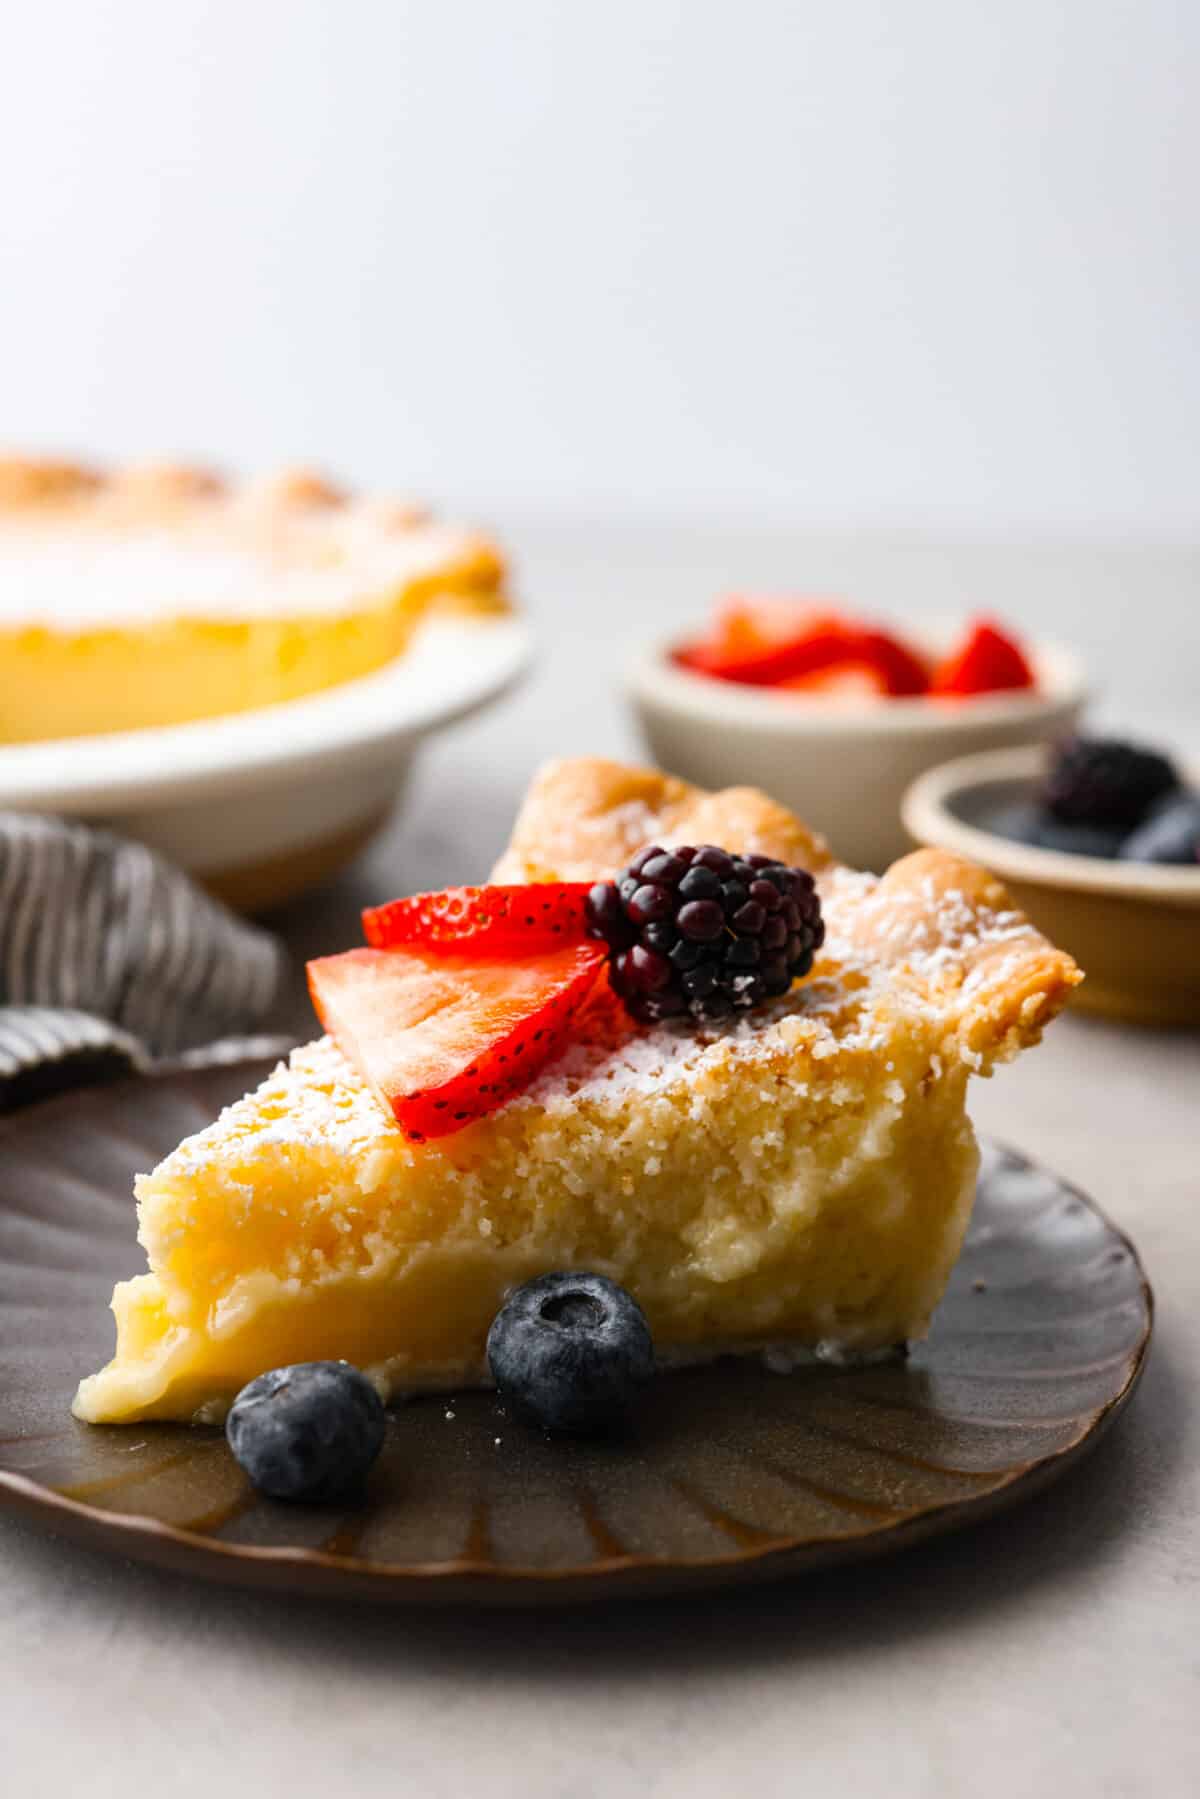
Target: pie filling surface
[[153, 597], [802, 1177]]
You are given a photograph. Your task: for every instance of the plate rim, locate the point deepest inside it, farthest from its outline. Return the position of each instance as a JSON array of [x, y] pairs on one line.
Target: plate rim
[[474, 1579], [466, 1580]]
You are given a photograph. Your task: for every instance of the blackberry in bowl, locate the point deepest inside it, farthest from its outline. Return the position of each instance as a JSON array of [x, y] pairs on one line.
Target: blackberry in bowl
[[705, 932], [1104, 783]]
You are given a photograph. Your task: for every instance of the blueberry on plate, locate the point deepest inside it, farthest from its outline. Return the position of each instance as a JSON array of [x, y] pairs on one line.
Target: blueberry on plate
[[1170, 835], [310, 1431], [570, 1351]]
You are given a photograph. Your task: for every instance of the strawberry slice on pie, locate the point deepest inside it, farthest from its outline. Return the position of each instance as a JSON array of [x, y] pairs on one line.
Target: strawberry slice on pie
[[443, 1039], [517, 920]]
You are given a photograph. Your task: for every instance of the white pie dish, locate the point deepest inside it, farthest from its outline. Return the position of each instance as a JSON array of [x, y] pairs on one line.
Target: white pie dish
[[260, 805], [842, 765]]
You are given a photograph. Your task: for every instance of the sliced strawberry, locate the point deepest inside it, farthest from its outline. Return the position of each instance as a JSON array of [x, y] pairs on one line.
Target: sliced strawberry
[[746, 626], [526, 920], [988, 662], [443, 1039], [823, 643], [901, 668], [844, 681], [815, 646]]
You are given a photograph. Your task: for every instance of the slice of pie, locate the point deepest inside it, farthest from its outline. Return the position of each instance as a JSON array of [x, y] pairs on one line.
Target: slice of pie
[[148, 597], [800, 1177]]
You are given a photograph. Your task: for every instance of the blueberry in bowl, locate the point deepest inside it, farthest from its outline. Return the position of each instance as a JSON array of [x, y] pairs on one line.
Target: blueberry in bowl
[[571, 1351], [1106, 783], [1028, 822], [1170, 835]]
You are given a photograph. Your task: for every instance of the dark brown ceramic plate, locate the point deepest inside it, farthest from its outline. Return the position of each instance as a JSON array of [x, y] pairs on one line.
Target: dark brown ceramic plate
[[730, 1473]]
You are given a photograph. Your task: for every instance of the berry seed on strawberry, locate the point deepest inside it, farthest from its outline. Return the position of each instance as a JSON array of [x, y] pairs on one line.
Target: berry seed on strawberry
[[704, 932]]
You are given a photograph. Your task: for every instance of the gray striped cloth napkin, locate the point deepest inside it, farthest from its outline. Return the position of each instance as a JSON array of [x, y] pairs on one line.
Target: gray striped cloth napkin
[[111, 958]]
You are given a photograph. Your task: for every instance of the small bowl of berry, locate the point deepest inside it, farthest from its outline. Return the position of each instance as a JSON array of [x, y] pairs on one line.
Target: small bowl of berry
[[836, 715], [1099, 841]]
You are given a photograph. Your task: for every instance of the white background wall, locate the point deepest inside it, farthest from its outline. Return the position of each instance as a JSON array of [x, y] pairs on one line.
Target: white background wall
[[927, 262]]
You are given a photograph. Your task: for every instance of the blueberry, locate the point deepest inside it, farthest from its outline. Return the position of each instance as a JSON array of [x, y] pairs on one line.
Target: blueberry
[[310, 1431], [1025, 823], [1080, 840], [1020, 823], [570, 1350], [1170, 835]]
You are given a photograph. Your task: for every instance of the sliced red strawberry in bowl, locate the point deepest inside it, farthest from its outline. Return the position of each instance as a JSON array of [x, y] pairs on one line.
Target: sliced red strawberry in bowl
[[516, 920], [818, 644], [444, 1039], [990, 661]]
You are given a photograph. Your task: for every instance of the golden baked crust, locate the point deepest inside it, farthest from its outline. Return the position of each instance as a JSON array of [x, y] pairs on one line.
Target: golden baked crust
[[26, 482], [191, 498], [945, 930], [584, 818]]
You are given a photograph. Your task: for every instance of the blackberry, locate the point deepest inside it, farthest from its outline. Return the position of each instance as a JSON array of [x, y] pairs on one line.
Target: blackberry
[[705, 932], [1100, 781]]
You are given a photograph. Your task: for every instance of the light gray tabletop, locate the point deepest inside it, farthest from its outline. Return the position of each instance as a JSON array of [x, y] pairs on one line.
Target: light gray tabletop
[[1055, 1650]]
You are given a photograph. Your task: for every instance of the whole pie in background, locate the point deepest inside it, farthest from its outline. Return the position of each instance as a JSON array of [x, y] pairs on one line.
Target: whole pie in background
[[152, 596]]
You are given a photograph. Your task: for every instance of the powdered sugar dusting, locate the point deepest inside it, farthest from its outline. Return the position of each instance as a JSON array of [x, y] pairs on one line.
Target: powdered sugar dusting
[[88, 576]]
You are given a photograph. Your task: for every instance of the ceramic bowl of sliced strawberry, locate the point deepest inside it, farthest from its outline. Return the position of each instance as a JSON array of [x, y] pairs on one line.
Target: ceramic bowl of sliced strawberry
[[836, 714]]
